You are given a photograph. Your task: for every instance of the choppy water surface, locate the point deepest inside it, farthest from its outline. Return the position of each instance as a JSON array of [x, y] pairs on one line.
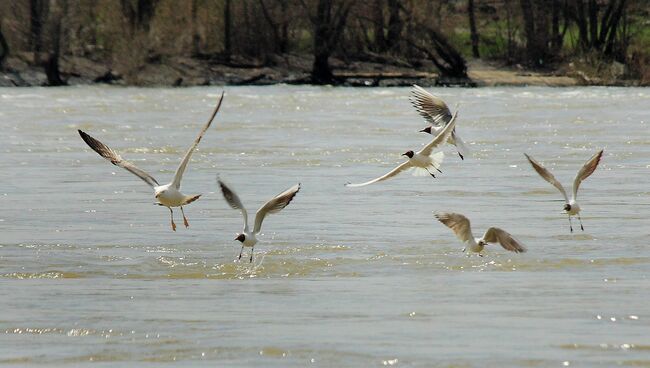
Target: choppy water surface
[[90, 270]]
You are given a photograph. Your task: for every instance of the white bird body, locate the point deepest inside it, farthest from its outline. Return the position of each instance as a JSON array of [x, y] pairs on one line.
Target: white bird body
[[421, 161], [477, 246], [168, 195], [436, 112], [571, 206], [461, 227], [248, 237]]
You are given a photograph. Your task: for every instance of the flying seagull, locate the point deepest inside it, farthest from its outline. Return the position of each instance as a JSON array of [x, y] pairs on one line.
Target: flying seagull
[[435, 111], [461, 227], [571, 207], [422, 161], [168, 195], [247, 238]]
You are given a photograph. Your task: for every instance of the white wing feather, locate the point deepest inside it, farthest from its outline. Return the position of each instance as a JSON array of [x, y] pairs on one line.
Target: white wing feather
[[546, 175], [404, 166], [276, 204], [587, 169], [181, 168], [233, 200], [441, 138], [458, 223]]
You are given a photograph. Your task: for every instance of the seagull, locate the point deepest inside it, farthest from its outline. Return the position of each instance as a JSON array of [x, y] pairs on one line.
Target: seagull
[[247, 238], [168, 195], [437, 114], [571, 207], [461, 227], [420, 161]]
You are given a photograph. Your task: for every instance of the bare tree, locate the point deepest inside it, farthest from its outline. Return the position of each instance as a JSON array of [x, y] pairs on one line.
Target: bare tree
[[4, 47], [38, 10], [139, 13], [279, 25], [58, 9], [598, 30], [472, 28], [227, 25], [328, 25]]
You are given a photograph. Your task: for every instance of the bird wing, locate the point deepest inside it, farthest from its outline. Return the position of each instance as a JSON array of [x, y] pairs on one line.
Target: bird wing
[[441, 138], [458, 223], [276, 204], [587, 169], [112, 156], [494, 235], [181, 168], [234, 202], [541, 170], [404, 166], [431, 108], [459, 143]]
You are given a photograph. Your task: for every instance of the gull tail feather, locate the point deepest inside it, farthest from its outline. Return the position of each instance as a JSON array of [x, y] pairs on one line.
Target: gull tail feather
[[460, 145], [436, 159], [191, 199], [419, 171]]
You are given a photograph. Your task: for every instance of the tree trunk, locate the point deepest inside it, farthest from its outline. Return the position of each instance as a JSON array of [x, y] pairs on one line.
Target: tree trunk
[[329, 24], [140, 15], [196, 39], [4, 47], [38, 10], [54, 52], [227, 25], [395, 23], [472, 27], [378, 23]]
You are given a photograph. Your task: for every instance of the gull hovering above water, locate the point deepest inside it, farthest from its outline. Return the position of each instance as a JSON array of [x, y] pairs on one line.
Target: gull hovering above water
[[571, 207], [168, 195], [248, 238], [420, 161], [461, 227], [435, 111]]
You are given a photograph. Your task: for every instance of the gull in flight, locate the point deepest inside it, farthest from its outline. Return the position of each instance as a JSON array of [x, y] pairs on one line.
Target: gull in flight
[[422, 161], [168, 195], [437, 114], [460, 225], [247, 238], [571, 207]]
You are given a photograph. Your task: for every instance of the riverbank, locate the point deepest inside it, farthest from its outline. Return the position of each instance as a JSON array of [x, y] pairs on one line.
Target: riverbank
[[180, 71]]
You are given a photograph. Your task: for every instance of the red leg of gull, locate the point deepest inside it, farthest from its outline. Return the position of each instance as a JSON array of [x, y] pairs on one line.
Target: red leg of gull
[[171, 213], [187, 224]]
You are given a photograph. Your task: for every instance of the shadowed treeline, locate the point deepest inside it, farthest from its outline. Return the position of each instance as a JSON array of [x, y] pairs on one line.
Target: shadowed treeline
[[125, 41]]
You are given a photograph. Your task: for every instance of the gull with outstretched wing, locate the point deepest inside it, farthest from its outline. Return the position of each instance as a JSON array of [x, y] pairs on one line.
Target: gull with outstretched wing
[[168, 195], [436, 112], [420, 162], [248, 238], [571, 207], [461, 227]]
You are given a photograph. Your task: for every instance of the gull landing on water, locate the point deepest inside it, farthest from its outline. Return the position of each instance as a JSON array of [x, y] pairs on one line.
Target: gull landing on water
[[422, 161], [248, 238], [461, 227], [571, 207], [168, 195], [435, 111]]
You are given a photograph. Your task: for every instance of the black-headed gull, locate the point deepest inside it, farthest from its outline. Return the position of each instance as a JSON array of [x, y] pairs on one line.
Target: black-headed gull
[[422, 161], [248, 238], [168, 195], [435, 111], [571, 207], [461, 227]]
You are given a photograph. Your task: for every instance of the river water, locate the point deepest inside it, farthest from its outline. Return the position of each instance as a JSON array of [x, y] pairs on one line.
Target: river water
[[90, 270]]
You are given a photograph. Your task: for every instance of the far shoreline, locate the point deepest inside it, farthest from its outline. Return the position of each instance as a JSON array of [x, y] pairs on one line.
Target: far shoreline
[[292, 70]]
